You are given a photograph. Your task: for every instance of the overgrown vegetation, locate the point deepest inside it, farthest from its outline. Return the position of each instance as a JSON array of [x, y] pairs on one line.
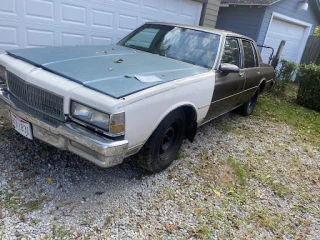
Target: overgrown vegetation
[[240, 179], [309, 90], [286, 110], [287, 70], [317, 33], [308, 77], [284, 76]]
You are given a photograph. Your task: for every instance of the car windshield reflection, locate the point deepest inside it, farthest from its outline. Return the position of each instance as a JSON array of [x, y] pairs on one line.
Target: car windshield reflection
[[183, 44]]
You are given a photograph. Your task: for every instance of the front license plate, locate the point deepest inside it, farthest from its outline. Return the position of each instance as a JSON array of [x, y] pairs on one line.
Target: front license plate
[[21, 126]]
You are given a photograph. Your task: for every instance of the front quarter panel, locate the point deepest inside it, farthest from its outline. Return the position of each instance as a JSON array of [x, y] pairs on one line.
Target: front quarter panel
[[146, 110]]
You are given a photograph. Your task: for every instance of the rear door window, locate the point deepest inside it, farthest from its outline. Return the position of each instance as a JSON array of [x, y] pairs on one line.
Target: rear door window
[[249, 55]]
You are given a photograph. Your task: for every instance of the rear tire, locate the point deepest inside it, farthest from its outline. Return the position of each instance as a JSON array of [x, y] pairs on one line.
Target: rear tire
[[162, 147], [247, 108]]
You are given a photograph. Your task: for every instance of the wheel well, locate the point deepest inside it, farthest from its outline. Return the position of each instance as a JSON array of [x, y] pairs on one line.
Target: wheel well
[[191, 124], [262, 86]]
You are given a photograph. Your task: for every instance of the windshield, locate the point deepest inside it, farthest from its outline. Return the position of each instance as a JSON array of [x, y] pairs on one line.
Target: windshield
[[187, 45]]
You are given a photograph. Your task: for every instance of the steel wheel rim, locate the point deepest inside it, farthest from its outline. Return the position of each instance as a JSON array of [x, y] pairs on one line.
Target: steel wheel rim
[[168, 141]]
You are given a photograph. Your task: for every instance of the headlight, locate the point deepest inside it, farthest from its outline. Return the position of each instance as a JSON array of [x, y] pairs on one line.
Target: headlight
[[114, 124], [90, 115], [2, 75]]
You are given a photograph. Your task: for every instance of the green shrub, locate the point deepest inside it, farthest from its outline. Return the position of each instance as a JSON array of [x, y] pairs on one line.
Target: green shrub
[[287, 70], [284, 76], [317, 33], [309, 89]]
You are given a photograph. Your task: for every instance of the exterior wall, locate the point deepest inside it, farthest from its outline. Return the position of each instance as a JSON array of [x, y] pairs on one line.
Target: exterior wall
[[35, 23], [211, 14], [288, 8], [244, 20]]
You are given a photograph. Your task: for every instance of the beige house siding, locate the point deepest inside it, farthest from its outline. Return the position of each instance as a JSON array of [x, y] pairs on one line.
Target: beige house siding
[[210, 17]]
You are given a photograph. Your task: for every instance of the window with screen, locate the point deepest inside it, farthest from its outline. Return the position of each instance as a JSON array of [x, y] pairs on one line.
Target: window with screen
[[231, 53], [249, 55]]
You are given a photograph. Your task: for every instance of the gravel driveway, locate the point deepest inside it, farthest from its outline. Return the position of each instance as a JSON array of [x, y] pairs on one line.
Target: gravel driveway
[[243, 178]]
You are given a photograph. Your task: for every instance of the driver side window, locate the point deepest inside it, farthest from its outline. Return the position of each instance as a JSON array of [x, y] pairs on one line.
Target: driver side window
[[231, 53]]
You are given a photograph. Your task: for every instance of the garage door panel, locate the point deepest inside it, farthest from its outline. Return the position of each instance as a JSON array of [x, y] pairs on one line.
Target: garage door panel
[[100, 40], [281, 36], [9, 37], [73, 14], [72, 38], [188, 9], [152, 4], [286, 27], [171, 6], [39, 10], [38, 23], [130, 2], [291, 32], [102, 18], [127, 22], [39, 38], [297, 35], [147, 19], [8, 8]]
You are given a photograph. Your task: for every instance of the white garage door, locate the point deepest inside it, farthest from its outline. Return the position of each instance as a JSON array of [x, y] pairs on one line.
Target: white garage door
[[36, 23], [294, 35]]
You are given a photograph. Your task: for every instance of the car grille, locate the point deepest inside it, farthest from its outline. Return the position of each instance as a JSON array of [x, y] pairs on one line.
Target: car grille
[[39, 115], [35, 97]]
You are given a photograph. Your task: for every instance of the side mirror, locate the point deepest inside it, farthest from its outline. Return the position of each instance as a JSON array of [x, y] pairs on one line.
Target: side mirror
[[228, 68]]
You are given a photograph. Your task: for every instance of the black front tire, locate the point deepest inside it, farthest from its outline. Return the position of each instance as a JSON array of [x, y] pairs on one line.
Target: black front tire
[[162, 147], [247, 108]]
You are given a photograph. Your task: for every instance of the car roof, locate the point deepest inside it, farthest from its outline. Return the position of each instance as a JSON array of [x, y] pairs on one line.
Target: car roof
[[202, 28]]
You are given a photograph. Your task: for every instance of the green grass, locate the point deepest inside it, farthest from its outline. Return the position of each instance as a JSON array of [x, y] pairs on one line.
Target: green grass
[[239, 170], [285, 109], [282, 128], [289, 113], [223, 171]]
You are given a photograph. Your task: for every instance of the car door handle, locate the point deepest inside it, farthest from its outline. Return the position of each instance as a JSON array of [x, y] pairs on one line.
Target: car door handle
[[241, 74], [258, 72]]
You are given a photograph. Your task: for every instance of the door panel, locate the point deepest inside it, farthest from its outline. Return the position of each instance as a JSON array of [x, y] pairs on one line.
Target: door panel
[[226, 94], [228, 86], [252, 70]]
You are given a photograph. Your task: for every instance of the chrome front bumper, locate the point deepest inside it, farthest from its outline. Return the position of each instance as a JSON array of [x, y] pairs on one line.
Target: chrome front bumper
[[70, 136]]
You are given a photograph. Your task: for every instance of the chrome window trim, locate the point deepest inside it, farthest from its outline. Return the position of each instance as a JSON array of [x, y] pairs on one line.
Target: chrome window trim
[[218, 57]]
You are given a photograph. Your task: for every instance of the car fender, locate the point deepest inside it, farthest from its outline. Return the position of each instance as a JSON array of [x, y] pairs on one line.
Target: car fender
[[145, 113]]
